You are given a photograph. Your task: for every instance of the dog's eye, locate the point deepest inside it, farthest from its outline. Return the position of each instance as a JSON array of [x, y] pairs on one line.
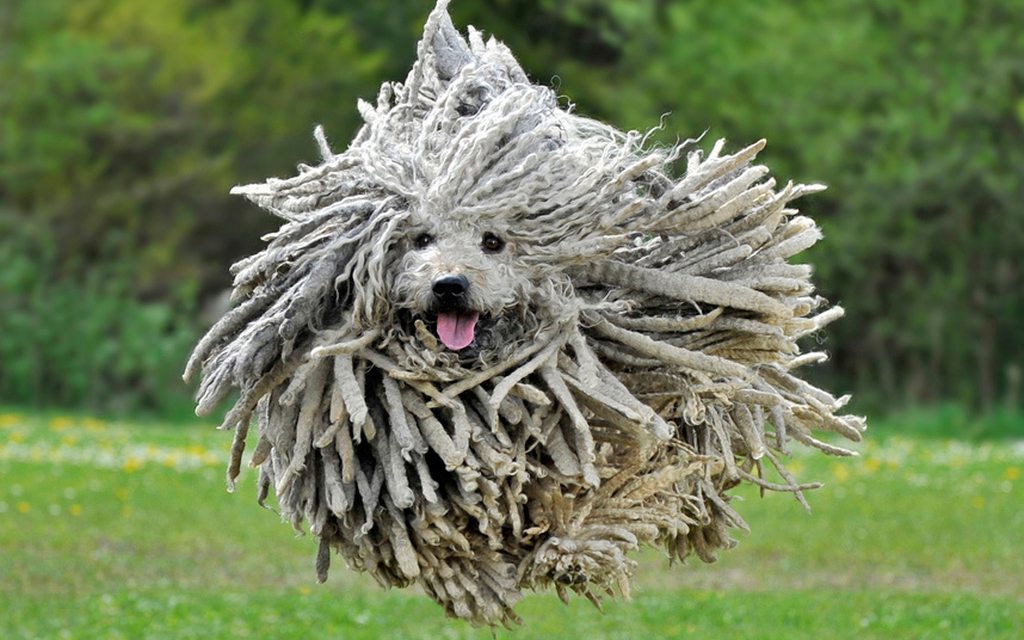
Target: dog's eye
[[492, 243], [423, 240]]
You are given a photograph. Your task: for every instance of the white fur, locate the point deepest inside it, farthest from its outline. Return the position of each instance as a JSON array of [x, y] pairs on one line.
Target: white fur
[[638, 359]]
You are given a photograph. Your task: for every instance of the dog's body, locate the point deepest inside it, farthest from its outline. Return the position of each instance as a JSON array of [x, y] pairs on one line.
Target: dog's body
[[496, 345]]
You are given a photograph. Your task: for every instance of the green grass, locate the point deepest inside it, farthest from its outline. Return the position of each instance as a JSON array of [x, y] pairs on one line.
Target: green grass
[[118, 530], [951, 421]]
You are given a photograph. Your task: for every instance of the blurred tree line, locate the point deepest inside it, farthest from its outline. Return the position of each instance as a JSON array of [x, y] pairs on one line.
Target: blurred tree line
[[123, 124]]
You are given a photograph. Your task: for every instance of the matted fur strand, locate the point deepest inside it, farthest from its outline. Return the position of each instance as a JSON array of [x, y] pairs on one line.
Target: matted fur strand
[[637, 357]]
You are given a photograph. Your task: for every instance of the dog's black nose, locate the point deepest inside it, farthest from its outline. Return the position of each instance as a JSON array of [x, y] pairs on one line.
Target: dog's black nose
[[450, 287]]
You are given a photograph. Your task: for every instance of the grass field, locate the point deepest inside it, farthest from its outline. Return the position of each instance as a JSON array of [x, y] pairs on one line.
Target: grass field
[[118, 530]]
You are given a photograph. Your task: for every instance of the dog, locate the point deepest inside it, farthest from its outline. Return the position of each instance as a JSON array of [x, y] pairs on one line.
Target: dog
[[497, 346]]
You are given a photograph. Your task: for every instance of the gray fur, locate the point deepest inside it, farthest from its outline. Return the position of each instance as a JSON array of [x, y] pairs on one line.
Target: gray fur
[[637, 361]]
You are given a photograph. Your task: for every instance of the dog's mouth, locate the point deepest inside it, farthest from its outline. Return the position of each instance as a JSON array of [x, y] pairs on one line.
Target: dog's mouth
[[458, 334], [456, 328]]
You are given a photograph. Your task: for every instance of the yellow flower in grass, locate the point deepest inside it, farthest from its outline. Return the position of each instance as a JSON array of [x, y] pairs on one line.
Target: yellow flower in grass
[[60, 423], [132, 464], [1012, 473], [126, 512], [978, 502], [841, 472], [75, 510], [69, 440], [92, 424], [872, 465], [23, 507], [17, 437], [8, 420]]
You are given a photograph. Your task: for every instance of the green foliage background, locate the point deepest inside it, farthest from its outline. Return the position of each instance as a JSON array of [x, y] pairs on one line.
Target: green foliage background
[[123, 124]]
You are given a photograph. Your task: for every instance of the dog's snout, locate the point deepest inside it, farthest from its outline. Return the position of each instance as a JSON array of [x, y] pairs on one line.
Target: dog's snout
[[450, 286]]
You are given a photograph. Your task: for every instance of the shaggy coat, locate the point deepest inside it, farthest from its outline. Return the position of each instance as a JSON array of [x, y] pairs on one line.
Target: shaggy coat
[[497, 346]]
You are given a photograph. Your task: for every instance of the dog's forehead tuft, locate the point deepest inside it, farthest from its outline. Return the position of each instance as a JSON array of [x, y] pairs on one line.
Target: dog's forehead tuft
[[455, 220]]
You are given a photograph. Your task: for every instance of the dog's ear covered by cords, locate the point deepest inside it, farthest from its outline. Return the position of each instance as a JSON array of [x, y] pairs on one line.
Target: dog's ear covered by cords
[[497, 346]]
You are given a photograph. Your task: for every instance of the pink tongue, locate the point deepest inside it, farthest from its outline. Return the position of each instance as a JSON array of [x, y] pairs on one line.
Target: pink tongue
[[456, 329]]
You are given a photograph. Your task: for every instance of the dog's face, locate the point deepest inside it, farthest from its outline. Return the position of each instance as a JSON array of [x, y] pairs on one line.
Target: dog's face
[[466, 281]]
